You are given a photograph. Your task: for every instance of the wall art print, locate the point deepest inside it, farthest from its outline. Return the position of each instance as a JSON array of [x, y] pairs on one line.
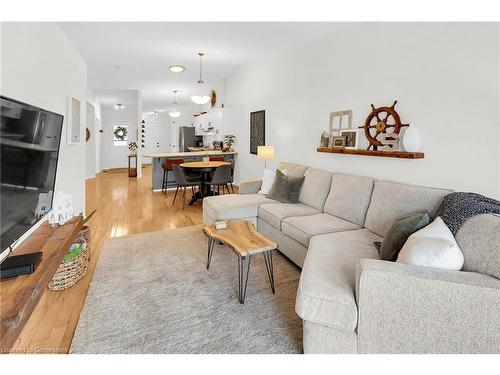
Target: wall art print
[[257, 130]]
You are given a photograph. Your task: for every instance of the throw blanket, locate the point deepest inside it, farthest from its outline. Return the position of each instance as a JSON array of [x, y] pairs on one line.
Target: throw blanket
[[456, 208]]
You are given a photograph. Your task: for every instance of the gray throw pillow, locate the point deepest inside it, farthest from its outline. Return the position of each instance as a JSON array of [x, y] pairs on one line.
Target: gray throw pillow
[[285, 188], [398, 234]]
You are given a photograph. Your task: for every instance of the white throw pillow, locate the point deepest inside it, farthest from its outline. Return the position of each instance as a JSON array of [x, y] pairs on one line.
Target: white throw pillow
[[267, 181], [432, 246]]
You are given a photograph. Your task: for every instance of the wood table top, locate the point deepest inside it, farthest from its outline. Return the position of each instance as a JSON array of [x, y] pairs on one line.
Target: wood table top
[[200, 164], [241, 236]]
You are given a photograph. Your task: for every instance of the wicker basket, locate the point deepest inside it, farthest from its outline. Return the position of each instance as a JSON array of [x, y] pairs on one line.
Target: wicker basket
[[72, 270]]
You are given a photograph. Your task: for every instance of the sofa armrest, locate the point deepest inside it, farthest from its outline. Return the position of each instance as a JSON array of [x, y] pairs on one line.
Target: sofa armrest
[[410, 309], [250, 186]]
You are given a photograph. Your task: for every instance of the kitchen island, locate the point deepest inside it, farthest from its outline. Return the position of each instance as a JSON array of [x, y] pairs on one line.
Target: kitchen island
[[158, 158]]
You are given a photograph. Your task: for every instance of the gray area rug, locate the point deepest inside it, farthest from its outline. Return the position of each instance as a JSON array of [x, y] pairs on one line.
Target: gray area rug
[[152, 293]]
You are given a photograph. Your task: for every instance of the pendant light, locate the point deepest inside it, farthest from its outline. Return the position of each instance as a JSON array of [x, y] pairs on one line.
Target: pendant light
[[200, 99], [175, 112]]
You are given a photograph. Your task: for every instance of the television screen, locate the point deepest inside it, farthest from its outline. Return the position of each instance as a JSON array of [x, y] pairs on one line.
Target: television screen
[[29, 143]]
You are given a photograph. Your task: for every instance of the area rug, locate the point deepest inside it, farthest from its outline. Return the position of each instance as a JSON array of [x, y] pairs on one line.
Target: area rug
[[152, 293]]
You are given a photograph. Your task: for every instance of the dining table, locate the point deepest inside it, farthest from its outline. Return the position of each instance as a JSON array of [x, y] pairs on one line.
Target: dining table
[[206, 169]]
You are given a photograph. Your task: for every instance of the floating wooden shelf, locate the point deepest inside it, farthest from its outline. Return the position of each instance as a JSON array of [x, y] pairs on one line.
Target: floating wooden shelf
[[385, 154], [20, 295]]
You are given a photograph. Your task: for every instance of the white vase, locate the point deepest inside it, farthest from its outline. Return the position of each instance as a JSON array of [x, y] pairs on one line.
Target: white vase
[[411, 139]]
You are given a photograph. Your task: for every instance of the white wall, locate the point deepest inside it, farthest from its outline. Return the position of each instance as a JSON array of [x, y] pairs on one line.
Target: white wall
[[445, 77], [41, 67]]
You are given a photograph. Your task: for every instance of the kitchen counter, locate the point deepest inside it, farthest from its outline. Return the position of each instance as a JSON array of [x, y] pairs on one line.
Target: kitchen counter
[[182, 154], [158, 158]]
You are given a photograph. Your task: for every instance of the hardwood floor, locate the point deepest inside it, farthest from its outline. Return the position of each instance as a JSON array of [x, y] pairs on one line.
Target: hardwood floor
[[124, 206]]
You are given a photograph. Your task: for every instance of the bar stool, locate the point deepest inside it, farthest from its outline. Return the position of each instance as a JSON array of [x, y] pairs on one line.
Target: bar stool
[[168, 166], [216, 158]]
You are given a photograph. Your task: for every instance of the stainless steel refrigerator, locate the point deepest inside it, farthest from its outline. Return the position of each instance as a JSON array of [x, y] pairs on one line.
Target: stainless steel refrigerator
[[186, 138]]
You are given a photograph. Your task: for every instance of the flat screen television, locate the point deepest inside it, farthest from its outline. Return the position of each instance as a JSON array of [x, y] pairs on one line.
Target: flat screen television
[[29, 142]]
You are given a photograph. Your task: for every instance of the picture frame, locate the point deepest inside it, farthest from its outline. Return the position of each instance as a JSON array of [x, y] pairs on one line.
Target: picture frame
[[352, 137], [73, 121], [338, 142], [339, 121], [257, 130]]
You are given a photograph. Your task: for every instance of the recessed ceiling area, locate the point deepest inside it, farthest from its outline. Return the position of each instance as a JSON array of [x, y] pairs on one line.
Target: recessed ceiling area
[[137, 55]]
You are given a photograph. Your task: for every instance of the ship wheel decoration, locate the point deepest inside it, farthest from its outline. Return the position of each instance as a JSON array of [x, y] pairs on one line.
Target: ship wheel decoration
[[381, 120]]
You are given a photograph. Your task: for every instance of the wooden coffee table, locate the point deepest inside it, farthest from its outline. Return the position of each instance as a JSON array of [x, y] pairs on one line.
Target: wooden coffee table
[[245, 241]]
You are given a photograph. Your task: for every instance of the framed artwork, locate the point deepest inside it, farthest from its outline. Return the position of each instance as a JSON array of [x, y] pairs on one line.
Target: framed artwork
[[257, 130], [339, 120], [338, 142], [351, 138], [73, 120], [120, 135]]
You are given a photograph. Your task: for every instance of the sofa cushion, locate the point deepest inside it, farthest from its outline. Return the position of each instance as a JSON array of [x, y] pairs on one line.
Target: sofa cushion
[[326, 289], [392, 200], [233, 206], [292, 169], [273, 213], [302, 228], [479, 240], [315, 188], [285, 188], [349, 197]]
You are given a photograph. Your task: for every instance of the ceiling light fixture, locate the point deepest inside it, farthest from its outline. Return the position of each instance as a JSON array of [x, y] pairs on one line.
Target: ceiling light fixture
[[200, 99], [119, 106], [176, 68], [156, 113], [175, 112]]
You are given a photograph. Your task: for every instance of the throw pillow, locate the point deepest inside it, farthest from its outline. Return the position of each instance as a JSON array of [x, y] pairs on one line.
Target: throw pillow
[[285, 188], [267, 181], [433, 246], [398, 234]]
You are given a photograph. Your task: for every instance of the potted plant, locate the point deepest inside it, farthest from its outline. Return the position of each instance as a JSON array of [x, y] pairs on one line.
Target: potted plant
[[229, 141]]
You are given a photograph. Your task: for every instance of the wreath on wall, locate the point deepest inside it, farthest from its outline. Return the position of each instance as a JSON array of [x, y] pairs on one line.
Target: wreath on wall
[[120, 133]]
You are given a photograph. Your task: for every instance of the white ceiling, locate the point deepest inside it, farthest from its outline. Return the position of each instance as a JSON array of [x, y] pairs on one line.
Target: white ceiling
[[136, 55]]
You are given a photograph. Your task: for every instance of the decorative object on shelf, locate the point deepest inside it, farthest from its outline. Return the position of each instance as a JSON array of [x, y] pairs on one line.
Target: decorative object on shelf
[[175, 112], [257, 130], [338, 142], [229, 141], [381, 124], [74, 120], [265, 153], [389, 141], [200, 99], [325, 139], [213, 98], [411, 139], [132, 146], [351, 138], [73, 266], [87, 134], [62, 209], [339, 120], [206, 159]]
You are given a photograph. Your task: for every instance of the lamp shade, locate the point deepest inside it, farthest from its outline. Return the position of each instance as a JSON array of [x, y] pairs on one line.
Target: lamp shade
[[265, 152]]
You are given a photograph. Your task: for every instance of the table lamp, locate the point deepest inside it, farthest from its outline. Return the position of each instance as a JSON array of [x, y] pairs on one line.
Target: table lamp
[[265, 153]]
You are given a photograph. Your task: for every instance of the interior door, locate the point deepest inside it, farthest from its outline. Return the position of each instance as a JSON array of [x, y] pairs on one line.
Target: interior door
[[152, 140], [118, 143]]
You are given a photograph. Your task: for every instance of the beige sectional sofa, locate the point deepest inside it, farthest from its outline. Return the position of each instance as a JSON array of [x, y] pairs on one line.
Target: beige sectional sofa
[[352, 302]]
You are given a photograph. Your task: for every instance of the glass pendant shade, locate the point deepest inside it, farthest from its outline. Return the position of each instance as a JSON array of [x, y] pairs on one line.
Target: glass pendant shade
[[174, 113], [200, 99]]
